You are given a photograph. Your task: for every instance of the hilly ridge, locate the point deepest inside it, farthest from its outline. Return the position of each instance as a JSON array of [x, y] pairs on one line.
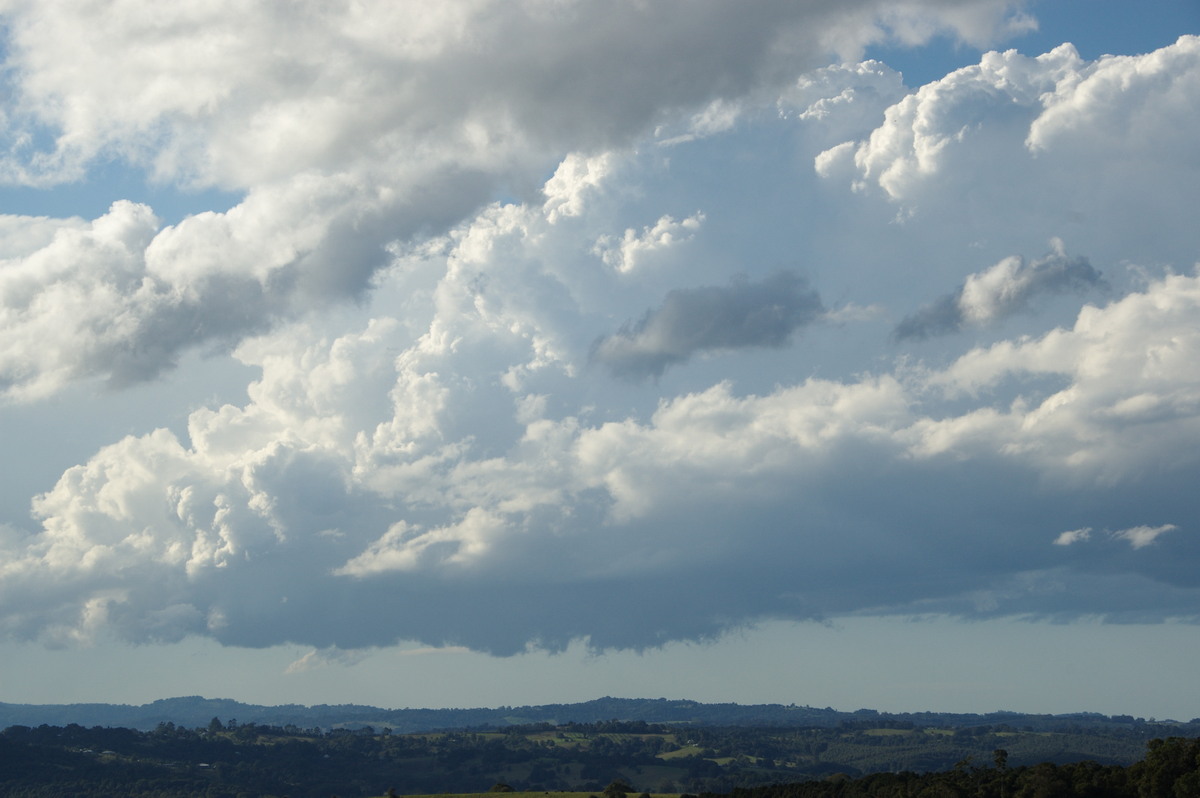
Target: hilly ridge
[[193, 711], [687, 746]]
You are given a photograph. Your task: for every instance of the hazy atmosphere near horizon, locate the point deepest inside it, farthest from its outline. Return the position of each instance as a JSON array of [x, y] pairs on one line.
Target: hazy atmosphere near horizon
[[494, 352]]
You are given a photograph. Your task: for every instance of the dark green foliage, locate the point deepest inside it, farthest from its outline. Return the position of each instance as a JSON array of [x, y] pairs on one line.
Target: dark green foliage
[[617, 789], [1171, 769], [231, 759]]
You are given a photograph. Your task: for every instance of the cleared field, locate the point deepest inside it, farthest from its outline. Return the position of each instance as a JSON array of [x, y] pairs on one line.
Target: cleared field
[[680, 753]]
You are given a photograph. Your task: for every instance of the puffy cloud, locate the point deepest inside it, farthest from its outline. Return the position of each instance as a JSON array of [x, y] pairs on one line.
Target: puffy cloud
[[81, 302], [1024, 136], [845, 98], [1093, 105], [1129, 388], [928, 127], [368, 123], [1004, 289], [121, 297], [574, 178], [281, 515], [625, 254], [209, 94], [710, 318]]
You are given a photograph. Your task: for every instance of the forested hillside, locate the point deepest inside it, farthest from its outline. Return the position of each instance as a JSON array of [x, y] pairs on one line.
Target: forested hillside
[[228, 759]]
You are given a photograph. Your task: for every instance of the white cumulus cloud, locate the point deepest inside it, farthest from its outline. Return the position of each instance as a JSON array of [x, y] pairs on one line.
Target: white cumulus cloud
[[367, 123]]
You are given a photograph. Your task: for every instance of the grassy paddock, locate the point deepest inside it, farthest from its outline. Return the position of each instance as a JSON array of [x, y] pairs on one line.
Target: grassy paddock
[[680, 753]]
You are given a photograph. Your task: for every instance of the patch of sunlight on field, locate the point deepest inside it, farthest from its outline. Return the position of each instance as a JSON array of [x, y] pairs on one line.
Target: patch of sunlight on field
[[687, 750]]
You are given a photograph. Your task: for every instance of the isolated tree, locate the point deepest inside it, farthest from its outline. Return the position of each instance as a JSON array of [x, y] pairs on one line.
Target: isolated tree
[[617, 789]]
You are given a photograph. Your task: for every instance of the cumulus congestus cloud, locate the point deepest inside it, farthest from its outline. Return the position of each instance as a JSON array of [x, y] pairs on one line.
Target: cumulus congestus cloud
[[438, 463], [263, 531], [707, 319], [994, 294]]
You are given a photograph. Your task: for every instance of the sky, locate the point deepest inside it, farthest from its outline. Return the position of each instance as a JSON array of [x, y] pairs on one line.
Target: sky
[[486, 353]]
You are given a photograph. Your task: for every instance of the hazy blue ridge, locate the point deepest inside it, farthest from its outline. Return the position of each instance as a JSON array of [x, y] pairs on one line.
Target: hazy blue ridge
[[192, 711]]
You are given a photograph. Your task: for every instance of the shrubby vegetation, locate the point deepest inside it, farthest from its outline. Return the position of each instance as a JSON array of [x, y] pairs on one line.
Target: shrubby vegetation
[[864, 758]]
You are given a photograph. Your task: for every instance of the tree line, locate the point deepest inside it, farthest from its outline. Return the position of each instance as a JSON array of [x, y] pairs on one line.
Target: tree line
[[1170, 769]]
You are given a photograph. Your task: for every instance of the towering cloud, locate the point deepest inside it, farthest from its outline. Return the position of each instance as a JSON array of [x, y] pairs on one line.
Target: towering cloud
[[1055, 141], [282, 515]]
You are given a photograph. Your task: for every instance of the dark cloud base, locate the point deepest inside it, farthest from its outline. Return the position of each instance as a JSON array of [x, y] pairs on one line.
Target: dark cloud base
[[884, 542]]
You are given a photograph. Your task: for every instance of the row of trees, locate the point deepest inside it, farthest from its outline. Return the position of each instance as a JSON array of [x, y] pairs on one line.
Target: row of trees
[[1171, 769]]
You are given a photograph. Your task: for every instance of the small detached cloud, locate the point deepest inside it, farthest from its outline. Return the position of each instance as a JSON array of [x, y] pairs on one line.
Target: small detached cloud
[[1138, 537], [1141, 536], [710, 318], [1073, 536], [999, 292], [624, 255]]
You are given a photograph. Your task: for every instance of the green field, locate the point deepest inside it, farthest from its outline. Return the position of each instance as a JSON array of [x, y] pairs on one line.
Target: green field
[[682, 753]]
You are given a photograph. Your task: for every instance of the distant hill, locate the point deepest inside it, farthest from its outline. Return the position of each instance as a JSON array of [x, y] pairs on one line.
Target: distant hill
[[194, 711]]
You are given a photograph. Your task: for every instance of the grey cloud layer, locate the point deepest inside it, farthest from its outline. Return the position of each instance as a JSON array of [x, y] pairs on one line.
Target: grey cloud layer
[[207, 94], [999, 292], [693, 320]]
